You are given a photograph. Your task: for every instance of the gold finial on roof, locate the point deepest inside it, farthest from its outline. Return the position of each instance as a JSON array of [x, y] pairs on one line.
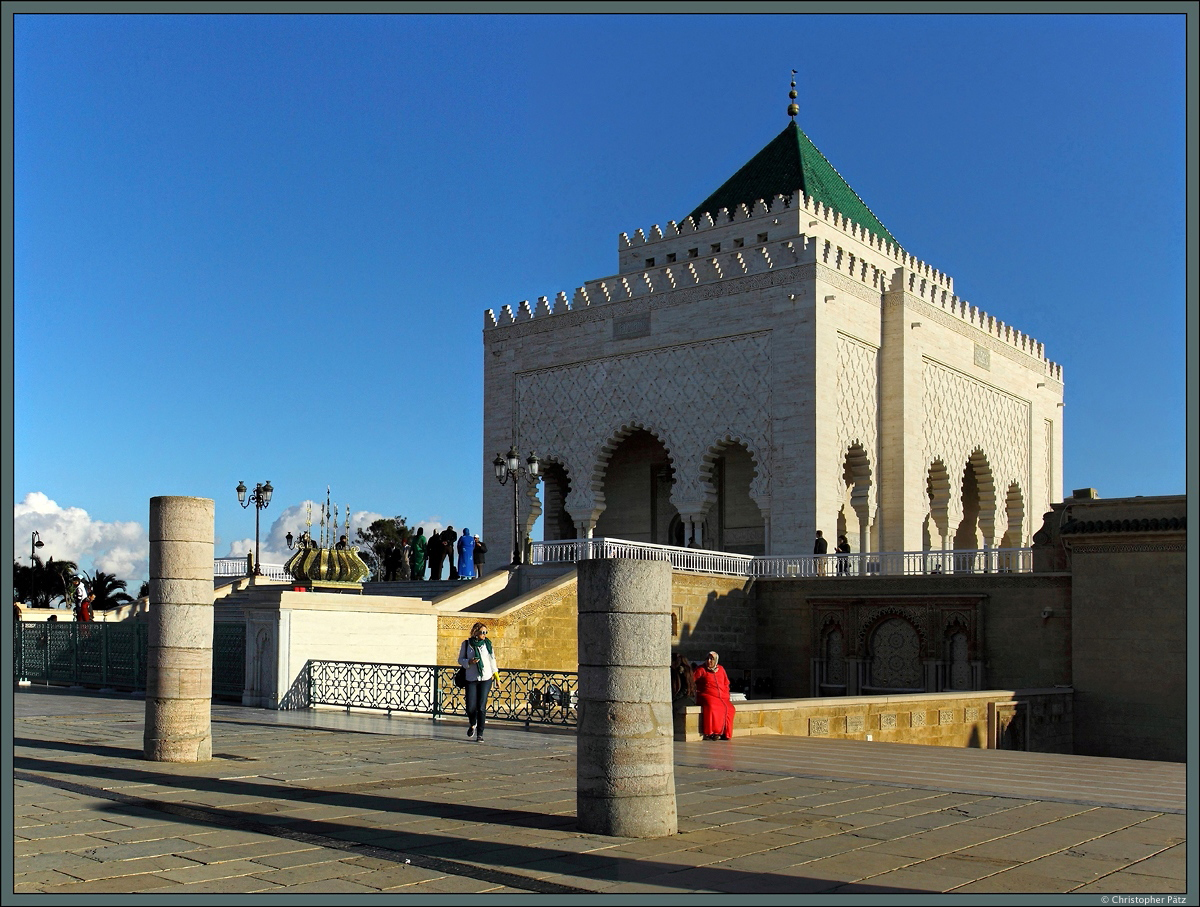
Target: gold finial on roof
[[793, 108]]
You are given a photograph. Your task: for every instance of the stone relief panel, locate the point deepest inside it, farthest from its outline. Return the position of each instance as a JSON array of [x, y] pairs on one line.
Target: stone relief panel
[[962, 414], [895, 650], [858, 406], [686, 395]]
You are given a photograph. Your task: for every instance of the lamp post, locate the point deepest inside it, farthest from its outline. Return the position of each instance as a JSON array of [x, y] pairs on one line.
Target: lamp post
[[509, 467], [35, 542], [260, 497]]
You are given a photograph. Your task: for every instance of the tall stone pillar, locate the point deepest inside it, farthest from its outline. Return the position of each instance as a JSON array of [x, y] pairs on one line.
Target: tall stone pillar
[[625, 768], [179, 660]]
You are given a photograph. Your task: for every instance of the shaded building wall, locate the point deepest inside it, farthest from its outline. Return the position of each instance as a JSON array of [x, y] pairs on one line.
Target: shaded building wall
[[1127, 558], [1021, 648]]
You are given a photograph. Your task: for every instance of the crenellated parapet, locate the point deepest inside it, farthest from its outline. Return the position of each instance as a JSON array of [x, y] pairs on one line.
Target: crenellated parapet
[[781, 233]]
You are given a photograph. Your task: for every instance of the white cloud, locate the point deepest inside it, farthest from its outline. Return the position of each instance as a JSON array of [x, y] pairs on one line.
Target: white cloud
[[68, 533]]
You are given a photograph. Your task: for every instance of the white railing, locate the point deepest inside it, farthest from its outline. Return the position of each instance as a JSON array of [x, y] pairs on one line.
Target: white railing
[[240, 566], [881, 563]]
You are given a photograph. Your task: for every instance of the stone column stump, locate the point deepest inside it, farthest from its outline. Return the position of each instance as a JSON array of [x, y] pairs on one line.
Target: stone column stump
[[625, 767], [179, 659]]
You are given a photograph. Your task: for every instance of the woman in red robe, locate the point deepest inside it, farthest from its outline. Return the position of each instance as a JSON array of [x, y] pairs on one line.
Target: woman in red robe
[[712, 692]]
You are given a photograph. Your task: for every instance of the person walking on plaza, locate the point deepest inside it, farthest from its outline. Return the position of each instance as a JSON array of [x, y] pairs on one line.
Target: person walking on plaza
[[712, 692], [436, 551], [449, 538], [417, 554], [843, 551], [466, 555], [478, 658], [820, 549], [477, 557]]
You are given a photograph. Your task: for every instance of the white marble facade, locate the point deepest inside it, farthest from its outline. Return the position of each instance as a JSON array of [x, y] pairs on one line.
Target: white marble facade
[[869, 398]]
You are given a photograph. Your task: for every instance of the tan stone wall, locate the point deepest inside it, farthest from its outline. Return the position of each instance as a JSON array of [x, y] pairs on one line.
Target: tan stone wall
[[541, 635], [939, 719], [711, 612], [717, 613]]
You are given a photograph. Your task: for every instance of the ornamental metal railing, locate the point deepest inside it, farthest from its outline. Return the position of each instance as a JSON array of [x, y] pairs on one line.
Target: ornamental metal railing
[[113, 656], [877, 563], [534, 697], [240, 566]]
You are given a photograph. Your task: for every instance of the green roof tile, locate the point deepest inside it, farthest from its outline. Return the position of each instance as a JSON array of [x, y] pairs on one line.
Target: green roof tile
[[790, 161]]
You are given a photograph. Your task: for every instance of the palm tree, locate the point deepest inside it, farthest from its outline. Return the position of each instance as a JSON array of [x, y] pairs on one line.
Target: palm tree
[[42, 583], [109, 591]]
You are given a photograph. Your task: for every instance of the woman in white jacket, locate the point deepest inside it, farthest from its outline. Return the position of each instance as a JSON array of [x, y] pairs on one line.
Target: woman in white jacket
[[478, 658]]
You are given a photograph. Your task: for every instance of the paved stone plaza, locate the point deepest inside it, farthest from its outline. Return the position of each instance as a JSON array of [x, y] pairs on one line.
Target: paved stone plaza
[[324, 801]]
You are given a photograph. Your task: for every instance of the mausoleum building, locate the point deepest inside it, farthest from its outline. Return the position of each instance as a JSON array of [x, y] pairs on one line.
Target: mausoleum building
[[774, 364]]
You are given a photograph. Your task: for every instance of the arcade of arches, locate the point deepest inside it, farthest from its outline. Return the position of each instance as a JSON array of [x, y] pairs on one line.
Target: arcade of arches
[[638, 480], [965, 511]]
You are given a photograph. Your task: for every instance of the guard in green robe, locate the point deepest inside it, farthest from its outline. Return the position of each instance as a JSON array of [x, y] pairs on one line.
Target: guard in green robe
[[417, 552]]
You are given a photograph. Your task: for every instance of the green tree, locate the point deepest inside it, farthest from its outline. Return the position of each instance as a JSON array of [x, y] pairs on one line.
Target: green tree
[[42, 583], [109, 591], [379, 538]]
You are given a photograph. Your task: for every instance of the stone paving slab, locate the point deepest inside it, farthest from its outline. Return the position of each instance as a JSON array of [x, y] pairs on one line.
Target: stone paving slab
[[337, 804]]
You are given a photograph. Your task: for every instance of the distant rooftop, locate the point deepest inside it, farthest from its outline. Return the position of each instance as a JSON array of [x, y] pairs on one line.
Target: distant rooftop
[[790, 161]]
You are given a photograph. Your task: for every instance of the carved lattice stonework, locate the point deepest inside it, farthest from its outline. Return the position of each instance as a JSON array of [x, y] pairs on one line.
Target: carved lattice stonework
[[854, 724], [962, 415], [946, 716], [1049, 477], [887, 721], [818, 727], [895, 655], [689, 396], [858, 405], [918, 719], [971, 714]]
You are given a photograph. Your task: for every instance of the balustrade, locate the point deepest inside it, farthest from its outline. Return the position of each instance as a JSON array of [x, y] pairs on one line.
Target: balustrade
[[875, 563]]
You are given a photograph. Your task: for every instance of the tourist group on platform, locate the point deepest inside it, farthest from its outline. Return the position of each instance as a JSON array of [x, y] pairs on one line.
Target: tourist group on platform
[[463, 555]]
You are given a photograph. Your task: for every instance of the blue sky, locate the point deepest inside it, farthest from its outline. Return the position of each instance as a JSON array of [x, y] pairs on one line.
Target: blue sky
[[260, 247]]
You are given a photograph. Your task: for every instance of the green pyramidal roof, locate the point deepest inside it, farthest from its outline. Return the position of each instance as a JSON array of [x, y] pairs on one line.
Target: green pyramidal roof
[[790, 162]]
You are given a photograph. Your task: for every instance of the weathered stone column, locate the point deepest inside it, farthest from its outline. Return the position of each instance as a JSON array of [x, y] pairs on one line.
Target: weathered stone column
[[179, 660], [625, 768]]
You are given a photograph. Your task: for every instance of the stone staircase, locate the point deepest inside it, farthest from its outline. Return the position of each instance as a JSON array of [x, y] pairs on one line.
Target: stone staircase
[[426, 590]]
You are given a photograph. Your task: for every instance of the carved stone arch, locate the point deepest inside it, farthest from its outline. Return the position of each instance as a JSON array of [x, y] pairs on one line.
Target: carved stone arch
[[896, 649], [977, 528], [958, 653], [586, 500], [760, 487], [858, 494], [642, 459], [878, 615], [733, 515], [1014, 511], [555, 486], [939, 493]]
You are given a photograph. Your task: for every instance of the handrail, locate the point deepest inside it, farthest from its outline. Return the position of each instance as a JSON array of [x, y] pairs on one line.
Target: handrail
[[239, 566], [874, 563]]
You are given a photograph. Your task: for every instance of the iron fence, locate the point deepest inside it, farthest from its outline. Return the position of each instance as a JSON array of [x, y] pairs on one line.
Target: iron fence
[[113, 656], [534, 697]]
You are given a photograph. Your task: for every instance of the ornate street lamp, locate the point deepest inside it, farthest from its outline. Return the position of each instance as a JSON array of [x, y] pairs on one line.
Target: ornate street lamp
[[260, 497], [35, 542], [509, 467]]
